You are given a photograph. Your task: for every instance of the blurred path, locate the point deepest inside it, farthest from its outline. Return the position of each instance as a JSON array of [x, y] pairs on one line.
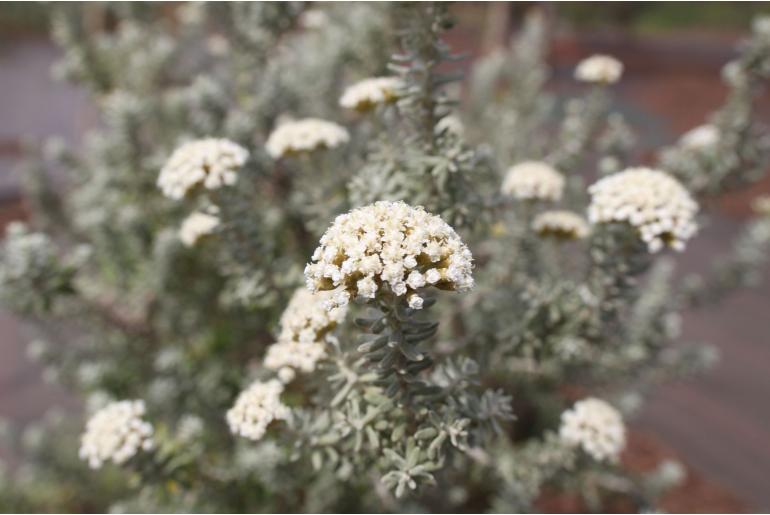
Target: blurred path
[[720, 422]]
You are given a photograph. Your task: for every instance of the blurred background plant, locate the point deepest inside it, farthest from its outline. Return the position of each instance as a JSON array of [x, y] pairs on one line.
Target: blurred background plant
[[485, 393]]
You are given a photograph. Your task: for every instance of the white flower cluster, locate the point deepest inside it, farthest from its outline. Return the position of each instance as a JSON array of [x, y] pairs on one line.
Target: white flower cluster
[[196, 226], [369, 93], [26, 253], [304, 326], [533, 180], [702, 136], [116, 433], [305, 135], [389, 242], [256, 407], [595, 426], [561, 224], [603, 69], [210, 162], [651, 201]]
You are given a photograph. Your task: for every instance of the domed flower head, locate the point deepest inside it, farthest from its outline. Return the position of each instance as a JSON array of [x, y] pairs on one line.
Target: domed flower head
[[651, 201], [702, 136], [196, 226], [596, 427], [212, 163], [369, 93], [533, 180], [116, 433], [601, 69], [304, 326], [305, 135], [561, 224], [256, 407], [393, 245]]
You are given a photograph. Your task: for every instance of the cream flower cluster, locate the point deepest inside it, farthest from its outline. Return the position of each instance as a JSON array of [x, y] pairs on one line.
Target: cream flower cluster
[[596, 427], [210, 162], [196, 226], [256, 407], [116, 433], [369, 93], [702, 136], [305, 135], [561, 224], [304, 326], [389, 242], [603, 69], [651, 201], [533, 180]]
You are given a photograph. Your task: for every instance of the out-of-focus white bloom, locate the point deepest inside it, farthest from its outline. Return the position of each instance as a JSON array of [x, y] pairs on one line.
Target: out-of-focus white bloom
[[197, 225], [761, 25], [192, 13], [116, 433], [533, 180], [450, 125], [304, 326], [388, 242], [596, 427], [305, 135], [603, 69], [256, 407], [703, 136], [561, 224], [211, 162], [313, 19], [369, 93], [26, 254], [217, 45], [761, 205], [653, 202]]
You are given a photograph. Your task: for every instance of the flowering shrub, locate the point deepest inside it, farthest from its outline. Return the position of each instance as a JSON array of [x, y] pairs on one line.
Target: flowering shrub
[[474, 323]]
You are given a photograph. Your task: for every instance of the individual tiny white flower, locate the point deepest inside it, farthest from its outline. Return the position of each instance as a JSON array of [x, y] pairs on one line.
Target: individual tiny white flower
[[286, 375], [256, 407], [369, 93], [415, 280], [702, 136], [561, 224], [432, 276], [415, 301], [211, 163], [602, 69], [651, 201], [306, 135], [305, 324], [596, 427], [196, 226], [116, 433], [367, 287], [390, 243], [533, 180]]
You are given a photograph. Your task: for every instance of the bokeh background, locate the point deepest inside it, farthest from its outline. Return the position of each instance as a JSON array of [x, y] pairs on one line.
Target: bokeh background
[[718, 424]]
